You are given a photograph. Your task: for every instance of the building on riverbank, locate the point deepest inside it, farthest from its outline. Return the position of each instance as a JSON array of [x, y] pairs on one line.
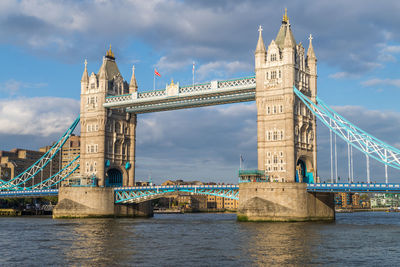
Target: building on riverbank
[[381, 200]]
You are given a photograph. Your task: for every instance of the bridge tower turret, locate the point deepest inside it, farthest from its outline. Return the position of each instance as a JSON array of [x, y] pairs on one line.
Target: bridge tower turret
[[107, 136], [286, 129]]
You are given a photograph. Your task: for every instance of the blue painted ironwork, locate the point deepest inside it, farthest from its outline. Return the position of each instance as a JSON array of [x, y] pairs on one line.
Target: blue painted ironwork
[[354, 187], [351, 134], [28, 193], [41, 163], [144, 193]]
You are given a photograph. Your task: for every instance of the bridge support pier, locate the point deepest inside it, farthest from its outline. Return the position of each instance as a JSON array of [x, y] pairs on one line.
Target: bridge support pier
[[283, 202], [90, 202]]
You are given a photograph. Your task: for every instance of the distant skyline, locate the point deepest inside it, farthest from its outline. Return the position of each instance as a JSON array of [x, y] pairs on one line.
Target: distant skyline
[[44, 44]]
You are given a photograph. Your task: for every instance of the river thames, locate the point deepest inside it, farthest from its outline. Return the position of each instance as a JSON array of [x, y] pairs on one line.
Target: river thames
[[355, 239]]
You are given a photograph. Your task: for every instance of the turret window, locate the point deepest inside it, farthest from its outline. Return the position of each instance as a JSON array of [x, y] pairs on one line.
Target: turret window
[[273, 57]]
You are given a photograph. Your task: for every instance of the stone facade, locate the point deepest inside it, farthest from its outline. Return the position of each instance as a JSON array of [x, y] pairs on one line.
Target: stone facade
[[286, 134], [107, 136]]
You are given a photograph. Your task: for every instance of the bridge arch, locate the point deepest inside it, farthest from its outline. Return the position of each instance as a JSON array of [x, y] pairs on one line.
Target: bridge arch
[[115, 176], [304, 170]]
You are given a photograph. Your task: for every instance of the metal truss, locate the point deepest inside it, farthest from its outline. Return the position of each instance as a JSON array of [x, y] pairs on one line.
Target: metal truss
[[57, 178], [41, 163], [213, 93], [354, 187], [124, 195], [351, 134], [28, 193]]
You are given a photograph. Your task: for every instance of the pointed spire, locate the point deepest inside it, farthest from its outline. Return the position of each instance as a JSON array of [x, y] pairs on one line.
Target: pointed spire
[[85, 75], [310, 51], [133, 84], [260, 44], [103, 72], [289, 39]]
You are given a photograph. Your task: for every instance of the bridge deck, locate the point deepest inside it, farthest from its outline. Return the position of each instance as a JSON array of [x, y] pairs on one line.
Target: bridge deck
[[199, 95]]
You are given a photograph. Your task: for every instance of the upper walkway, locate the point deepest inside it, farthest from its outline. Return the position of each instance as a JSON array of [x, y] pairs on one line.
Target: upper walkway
[[175, 97]]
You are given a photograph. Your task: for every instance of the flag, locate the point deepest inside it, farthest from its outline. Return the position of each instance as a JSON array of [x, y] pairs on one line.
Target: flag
[[156, 73]]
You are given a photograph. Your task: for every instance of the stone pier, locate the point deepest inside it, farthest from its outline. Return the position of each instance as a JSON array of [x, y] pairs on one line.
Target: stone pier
[[283, 202], [92, 202]]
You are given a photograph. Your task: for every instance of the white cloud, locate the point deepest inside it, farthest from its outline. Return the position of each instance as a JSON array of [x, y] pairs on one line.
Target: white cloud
[[382, 82], [344, 75], [221, 68], [37, 116], [12, 87]]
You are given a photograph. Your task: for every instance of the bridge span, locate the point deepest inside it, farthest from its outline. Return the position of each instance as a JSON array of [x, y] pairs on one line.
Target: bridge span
[[137, 194]]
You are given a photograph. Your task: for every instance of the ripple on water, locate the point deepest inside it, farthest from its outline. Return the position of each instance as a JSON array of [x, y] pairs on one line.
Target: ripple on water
[[200, 240]]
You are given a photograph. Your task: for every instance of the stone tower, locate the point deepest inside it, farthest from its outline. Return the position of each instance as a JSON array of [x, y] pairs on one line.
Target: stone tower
[[107, 136], [286, 137]]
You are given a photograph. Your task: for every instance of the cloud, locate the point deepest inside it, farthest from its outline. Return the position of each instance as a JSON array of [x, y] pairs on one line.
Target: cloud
[[43, 116], [382, 82], [221, 68], [206, 31], [202, 143], [12, 87], [343, 75]]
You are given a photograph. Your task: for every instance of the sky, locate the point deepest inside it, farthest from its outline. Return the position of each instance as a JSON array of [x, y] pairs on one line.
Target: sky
[[44, 44]]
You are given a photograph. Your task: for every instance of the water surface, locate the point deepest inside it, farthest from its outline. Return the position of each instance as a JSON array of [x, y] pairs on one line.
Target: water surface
[[355, 239]]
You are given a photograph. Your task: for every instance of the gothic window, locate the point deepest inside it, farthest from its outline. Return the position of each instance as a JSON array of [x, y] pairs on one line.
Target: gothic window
[[279, 74], [96, 148], [275, 135], [268, 110], [274, 109], [281, 135], [273, 57], [97, 127], [280, 108], [91, 167], [269, 136], [267, 75], [281, 154], [273, 74], [269, 154], [91, 149], [92, 86]]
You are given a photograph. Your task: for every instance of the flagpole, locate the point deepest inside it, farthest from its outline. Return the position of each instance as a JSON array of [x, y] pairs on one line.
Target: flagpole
[[154, 80], [193, 75]]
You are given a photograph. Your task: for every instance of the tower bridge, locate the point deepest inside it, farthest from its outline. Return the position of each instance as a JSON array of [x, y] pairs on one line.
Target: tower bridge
[[284, 88]]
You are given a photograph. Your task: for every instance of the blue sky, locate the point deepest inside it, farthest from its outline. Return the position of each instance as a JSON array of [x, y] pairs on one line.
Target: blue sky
[[44, 44]]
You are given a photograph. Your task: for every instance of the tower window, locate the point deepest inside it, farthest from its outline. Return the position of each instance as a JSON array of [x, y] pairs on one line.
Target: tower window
[[273, 57], [273, 74]]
